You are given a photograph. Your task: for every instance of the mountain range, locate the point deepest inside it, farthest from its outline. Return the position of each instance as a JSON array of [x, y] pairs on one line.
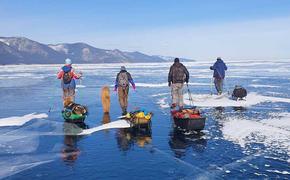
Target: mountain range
[[21, 50]]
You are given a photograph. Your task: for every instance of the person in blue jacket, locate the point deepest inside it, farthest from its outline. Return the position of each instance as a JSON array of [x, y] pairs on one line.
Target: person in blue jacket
[[219, 69]]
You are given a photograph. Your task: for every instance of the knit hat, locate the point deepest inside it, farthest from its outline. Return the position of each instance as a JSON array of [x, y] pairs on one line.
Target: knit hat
[[68, 61], [123, 68], [176, 60]]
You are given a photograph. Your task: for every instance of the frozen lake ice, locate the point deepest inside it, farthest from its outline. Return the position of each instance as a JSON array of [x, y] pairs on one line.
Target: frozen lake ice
[[247, 139]]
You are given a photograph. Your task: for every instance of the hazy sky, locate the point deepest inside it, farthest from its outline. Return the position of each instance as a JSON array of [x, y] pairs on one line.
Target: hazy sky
[[198, 29]]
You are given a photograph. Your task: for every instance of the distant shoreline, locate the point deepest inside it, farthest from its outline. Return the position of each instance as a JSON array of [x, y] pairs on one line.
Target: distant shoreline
[[164, 62]]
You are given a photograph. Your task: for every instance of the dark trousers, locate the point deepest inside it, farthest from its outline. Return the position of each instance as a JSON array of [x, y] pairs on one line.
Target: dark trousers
[[218, 85], [123, 93]]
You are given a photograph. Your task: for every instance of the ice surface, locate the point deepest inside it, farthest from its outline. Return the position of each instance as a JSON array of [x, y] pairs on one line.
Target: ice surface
[[237, 133], [18, 144], [13, 165], [20, 120]]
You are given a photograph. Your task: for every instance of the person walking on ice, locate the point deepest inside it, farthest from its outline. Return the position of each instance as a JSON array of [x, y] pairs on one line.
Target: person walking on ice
[[68, 76], [122, 82], [219, 69], [177, 76]]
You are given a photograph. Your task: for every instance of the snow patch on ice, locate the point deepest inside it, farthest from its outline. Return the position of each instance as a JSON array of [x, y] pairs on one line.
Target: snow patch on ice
[[274, 93], [279, 172], [21, 75], [263, 85], [160, 94], [5, 42], [206, 100], [115, 124], [20, 120], [80, 86], [274, 133], [166, 84], [151, 85], [162, 103]]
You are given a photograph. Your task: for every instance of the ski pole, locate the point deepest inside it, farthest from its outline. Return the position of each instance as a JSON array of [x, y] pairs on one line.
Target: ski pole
[[226, 86], [211, 84], [189, 95], [81, 77]]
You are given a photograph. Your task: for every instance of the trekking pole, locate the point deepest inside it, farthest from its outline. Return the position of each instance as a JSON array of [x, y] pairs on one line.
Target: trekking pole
[[81, 78], [189, 96], [211, 84], [226, 86]]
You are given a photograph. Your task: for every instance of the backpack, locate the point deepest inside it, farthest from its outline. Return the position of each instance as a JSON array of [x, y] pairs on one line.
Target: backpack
[[178, 74], [123, 79], [239, 92], [67, 77]]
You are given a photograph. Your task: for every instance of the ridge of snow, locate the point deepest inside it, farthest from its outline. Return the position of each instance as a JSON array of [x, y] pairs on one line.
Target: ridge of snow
[[20, 120]]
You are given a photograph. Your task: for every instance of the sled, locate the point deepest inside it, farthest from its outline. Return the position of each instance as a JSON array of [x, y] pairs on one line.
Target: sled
[[189, 119], [139, 119], [74, 113]]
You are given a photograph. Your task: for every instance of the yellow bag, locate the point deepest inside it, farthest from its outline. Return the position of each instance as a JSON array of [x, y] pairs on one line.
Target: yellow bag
[[128, 116], [148, 116], [140, 115]]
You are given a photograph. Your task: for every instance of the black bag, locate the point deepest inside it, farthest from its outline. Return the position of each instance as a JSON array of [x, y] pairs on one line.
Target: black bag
[[239, 92], [67, 77]]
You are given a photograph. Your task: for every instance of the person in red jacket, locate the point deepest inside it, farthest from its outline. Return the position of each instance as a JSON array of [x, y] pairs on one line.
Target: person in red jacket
[[68, 76]]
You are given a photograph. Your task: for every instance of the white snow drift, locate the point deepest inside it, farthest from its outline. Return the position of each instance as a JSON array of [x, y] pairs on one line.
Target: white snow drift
[[205, 100], [20, 120]]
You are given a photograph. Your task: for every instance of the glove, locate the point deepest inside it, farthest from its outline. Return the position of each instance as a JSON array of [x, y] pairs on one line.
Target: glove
[[134, 87], [169, 84]]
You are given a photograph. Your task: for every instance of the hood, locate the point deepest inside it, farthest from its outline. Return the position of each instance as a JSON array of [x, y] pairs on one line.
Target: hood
[[177, 64], [66, 68], [219, 61]]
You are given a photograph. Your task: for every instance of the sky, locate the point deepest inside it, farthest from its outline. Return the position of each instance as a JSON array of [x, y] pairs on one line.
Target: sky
[[196, 29]]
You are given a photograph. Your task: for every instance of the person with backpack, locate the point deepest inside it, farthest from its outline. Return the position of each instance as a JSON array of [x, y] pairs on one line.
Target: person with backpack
[[177, 76], [122, 82], [219, 69], [68, 76]]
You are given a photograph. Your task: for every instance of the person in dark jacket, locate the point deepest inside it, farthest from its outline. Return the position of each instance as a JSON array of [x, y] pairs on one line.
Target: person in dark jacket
[[219, 69], [122, 82], [177, 76]]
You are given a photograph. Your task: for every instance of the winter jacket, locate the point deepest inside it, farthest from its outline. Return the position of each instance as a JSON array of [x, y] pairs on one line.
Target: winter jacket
[[219, 68], [72, 84], [67, 68], [178, 73], [130, 79]]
